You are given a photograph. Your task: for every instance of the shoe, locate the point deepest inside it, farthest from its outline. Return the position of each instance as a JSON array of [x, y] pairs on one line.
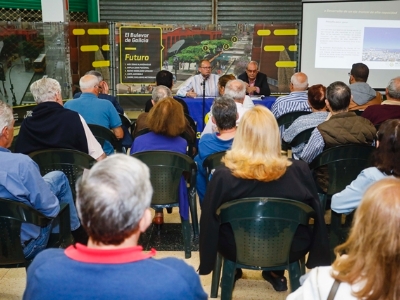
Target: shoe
[[279, 283], [238, 273]]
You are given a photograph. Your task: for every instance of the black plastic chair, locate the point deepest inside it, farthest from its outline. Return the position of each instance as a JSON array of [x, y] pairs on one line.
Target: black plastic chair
[[166, 170], [70, 162], [103, 134], [287, 119], [302, 137], [212, 161], [342, 164], [264, 229], [12, 215]]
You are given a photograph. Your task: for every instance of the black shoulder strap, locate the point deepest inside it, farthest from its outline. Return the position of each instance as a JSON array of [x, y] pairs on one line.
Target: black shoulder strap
[[334, 289]]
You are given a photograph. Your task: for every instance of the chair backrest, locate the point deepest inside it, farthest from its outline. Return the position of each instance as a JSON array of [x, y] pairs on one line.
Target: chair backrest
[[12, 215], [344, 163], [166, 170], [70, 162], [287, 119], [264, 228], [103, 134], [212, 161], [191, 122], [302, 137]]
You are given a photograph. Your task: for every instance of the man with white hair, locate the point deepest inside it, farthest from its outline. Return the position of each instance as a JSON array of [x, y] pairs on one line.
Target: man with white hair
[[52, 126], [113, 201], [96, 111], [235, 89], [20, 181], [297, 100]]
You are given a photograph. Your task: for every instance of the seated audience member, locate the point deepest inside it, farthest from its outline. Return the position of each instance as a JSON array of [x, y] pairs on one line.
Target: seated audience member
[[96, 111], [255, 168], [160, 92], [166, 122], [223, 80], [50, 125], [235, 89], [166, 78], [316, 100], [363, 94], [343, 127], [296, 100], [386, 162], [389, 109], [366, 265], [113, 203], [20, 181], [193, 86], [224, 115], [256, 81]]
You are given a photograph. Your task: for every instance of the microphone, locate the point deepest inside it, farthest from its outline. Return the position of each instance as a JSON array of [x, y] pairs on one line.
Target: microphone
[[204, 80]]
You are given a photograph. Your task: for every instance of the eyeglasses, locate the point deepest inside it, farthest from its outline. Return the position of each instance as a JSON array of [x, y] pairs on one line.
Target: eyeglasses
[[252, 71], [206, 68]]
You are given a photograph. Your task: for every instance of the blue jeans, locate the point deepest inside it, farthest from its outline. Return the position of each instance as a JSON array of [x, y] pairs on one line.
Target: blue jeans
[[59, 185]]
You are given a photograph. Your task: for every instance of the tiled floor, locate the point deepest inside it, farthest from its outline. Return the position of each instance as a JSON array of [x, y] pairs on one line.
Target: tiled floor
[[251, 286]]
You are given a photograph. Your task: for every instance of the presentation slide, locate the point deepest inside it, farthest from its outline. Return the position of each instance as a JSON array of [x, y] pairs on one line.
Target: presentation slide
[[337, 34]]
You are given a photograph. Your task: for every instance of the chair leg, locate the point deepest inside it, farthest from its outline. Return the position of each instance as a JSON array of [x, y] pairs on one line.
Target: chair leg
[[294, 275], [303, 265], [228, 278], [193, 212], [186, 233], [216, 276]]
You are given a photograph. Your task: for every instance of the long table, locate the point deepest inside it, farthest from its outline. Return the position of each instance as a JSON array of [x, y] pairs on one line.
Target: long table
[[195, 106]]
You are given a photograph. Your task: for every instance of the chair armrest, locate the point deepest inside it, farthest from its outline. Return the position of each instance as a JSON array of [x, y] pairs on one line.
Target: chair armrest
[[65, 237]]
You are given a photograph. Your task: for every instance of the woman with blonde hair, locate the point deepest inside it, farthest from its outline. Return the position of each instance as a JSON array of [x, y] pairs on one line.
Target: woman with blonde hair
[[255, 168], [370, 267]]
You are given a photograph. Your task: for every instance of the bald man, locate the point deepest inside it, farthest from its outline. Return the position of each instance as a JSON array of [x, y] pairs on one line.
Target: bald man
[[256, 82]]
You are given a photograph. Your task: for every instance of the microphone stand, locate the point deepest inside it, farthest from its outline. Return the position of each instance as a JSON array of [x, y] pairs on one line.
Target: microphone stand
[[204, 100]]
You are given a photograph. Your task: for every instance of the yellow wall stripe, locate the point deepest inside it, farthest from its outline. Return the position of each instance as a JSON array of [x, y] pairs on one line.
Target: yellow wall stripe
[[101, 63], [89, 48], [130, 48], [102, 31], [293, 48], [78, 31], [278, 48], [286, 64], [286, 31], [262, 32], [105, 47]]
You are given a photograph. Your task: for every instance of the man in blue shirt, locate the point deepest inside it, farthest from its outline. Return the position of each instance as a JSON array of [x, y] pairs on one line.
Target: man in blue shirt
[[96, 111], [20, 180]]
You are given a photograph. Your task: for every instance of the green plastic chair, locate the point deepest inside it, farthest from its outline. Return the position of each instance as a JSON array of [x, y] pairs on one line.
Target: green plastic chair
[[166, 170], [264, 229], [343, 164], [212, 161], [103, 134], [12, 215], [70, 162]]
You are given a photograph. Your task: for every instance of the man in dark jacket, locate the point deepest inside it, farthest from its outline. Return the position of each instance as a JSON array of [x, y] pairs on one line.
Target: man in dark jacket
[[257, 83]]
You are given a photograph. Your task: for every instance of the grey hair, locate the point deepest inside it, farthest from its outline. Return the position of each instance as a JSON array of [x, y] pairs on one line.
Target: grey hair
[[236, 89], [45, 89], [160, 92], [95, 73], [112, 198], [224, 111], [254, 63], [88, 82], [6, 116], [301, 85], [394, 88]]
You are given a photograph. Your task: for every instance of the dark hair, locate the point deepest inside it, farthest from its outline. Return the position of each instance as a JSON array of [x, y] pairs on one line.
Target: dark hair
[[360, 72], [167, 117], [338, 95], [224, 111], [387, 156], [223, 80], [316, 96], [165, 77]]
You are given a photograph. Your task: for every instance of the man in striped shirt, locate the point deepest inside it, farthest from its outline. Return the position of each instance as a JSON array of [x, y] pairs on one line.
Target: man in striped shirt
[[296, 100]]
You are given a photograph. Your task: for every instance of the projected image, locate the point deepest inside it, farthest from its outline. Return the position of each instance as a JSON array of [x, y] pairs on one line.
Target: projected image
[[381, 44]]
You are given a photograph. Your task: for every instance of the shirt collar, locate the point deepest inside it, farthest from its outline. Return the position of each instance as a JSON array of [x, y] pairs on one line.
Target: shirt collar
[[84, 254], [4, 149]]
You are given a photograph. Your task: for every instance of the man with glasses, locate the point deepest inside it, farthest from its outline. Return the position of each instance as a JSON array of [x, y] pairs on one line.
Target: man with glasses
[[96, 111], [193, 86], [257, 83]]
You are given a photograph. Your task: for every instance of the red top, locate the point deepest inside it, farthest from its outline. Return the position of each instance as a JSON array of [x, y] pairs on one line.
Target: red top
[[82, 253]]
